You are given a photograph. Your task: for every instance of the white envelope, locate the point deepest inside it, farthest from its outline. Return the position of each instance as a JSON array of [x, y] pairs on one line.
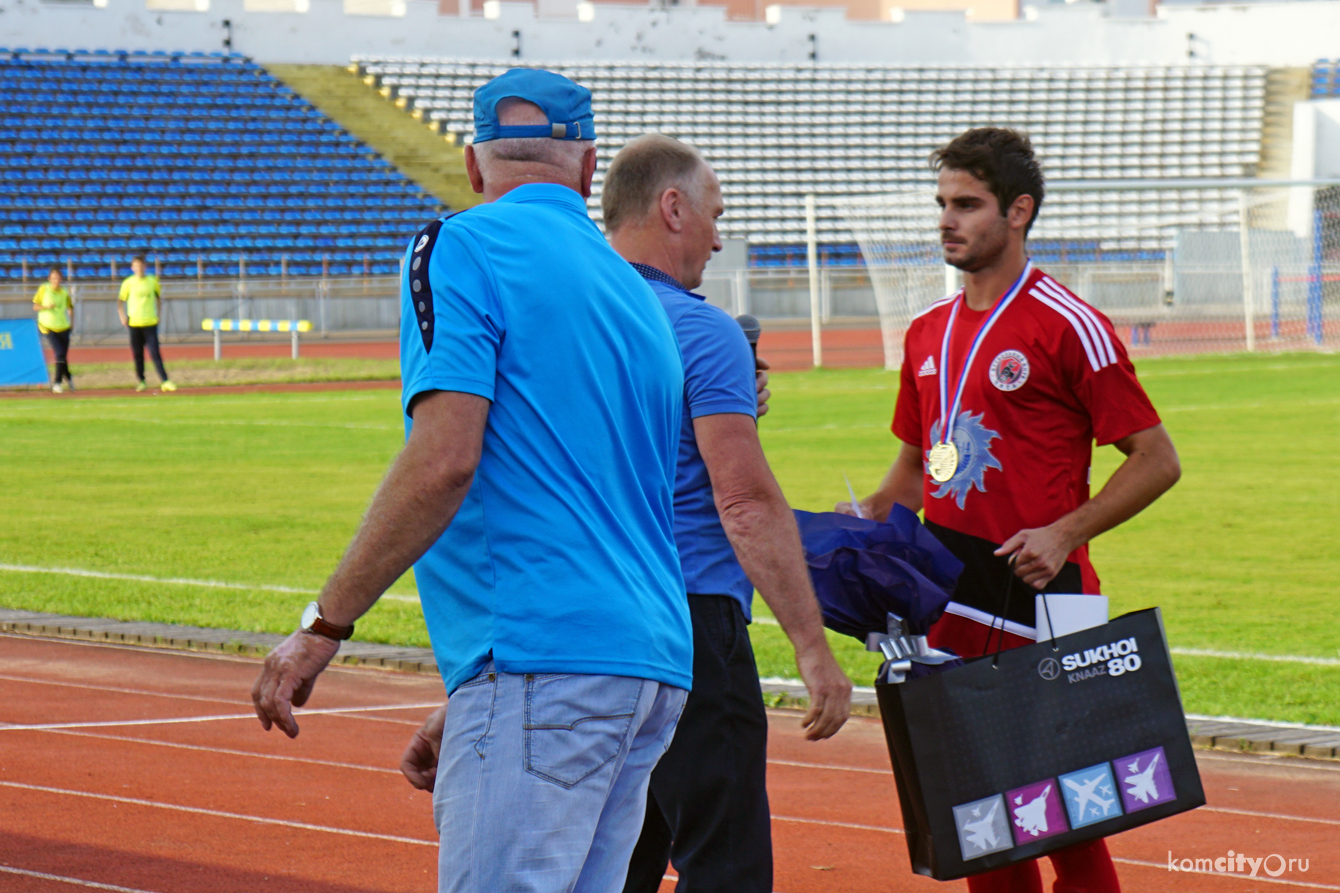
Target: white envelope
[[1069, 613]]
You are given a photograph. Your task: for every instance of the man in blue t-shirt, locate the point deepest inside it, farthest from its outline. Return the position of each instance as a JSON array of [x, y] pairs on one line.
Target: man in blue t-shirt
[[707, 809], [542, 390]]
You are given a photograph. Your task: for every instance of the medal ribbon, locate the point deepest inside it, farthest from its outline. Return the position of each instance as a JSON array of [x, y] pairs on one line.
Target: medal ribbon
[[948, 412]]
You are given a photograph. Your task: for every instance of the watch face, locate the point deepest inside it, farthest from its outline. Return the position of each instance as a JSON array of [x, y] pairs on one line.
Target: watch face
[[310, 614]]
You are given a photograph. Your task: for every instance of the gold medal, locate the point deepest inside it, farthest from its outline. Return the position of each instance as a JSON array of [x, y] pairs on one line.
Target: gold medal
[[943, 462]]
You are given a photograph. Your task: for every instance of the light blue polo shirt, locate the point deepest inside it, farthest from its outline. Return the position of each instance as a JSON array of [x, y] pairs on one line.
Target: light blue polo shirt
[[718, 378], [562, 558]]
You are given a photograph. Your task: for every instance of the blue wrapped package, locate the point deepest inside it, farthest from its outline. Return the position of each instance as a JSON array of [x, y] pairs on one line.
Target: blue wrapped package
[[864, 570]]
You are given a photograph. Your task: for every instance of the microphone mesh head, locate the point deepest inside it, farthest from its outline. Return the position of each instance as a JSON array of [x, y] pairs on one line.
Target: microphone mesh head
[[750, 326]]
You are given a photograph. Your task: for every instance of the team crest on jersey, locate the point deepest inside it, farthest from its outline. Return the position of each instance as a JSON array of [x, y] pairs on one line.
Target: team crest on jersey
[[973, 440], [1009, 370]]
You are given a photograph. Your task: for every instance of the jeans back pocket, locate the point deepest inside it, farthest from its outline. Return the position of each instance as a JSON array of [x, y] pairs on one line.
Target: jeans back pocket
[[575, 725]]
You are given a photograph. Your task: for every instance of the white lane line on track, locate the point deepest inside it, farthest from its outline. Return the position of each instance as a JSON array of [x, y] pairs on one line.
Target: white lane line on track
[[1232, 876], [330, 711], [118, 690], [1250, 813], [153, 742], [1256, 655], [888, 772], [787, 818], [74, 881], [156, 694], [176, 581], [216, 813]]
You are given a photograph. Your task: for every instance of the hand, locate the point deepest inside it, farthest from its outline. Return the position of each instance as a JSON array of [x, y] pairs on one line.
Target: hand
[[830, 692], [1039, 554], [761, 385], [419, 763], [849, 508], [287, 678]]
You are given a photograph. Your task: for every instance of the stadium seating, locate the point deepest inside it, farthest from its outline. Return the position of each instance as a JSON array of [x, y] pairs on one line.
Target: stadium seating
[[197, 160], [1326, 79], [777, 132]]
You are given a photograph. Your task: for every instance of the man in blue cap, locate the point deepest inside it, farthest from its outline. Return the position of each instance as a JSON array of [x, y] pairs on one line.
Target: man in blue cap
[[534, 497]]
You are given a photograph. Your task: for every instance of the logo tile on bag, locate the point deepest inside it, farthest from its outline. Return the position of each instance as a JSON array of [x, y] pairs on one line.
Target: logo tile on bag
[[1036, 811], [1144, 779], [1090, 795], [983, 827]]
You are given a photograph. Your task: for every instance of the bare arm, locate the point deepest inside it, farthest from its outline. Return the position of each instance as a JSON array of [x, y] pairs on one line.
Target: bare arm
[[902, 485], [1151, 467], [413, 506], [763, 533]]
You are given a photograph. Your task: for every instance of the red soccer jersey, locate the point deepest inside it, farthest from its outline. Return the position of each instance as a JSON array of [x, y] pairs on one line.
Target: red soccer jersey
[[1050, 376]]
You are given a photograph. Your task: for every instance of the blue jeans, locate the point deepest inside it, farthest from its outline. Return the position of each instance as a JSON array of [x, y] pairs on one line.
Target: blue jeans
[[542, 780]]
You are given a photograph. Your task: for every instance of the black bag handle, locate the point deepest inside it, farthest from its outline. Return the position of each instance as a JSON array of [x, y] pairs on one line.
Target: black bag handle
[[1000, 642], [1051, 628]]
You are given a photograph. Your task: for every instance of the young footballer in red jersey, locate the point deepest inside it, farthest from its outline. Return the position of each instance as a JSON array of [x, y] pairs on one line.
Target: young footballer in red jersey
[[1005, 387]]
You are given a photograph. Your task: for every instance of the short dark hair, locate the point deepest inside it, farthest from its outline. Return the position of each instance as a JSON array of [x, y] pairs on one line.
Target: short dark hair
[[1001, 158], [140, 258], [55, 270], [641, 173]]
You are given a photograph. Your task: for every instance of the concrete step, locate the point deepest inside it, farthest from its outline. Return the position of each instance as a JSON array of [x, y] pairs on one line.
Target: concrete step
[[1318, 742], [1284, 87], [417, 151]]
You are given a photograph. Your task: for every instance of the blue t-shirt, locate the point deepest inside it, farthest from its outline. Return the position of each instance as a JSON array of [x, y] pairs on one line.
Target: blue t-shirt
[[718, 377], [562, 557]]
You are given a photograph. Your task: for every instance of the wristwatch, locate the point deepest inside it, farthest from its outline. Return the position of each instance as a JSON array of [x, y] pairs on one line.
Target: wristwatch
[[313, 622]]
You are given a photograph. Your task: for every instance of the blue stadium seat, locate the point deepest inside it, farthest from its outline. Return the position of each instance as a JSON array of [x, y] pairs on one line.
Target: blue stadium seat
[[229, 144]]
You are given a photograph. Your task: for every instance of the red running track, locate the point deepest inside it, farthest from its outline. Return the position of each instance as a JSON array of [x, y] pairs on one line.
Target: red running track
[[788, 350], [145, 771]]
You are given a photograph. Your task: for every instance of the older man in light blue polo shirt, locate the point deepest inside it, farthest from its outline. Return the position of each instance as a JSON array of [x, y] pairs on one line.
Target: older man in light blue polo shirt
[[542, 389]]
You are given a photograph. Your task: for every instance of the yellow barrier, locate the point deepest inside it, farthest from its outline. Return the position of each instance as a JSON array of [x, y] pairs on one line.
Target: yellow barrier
[[217, 326]]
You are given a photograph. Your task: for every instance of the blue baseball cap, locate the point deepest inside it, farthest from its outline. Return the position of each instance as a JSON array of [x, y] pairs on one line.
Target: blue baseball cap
[[565, 103]]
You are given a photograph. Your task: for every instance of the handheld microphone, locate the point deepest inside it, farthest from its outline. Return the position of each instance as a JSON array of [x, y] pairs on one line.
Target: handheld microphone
[[751, 330]]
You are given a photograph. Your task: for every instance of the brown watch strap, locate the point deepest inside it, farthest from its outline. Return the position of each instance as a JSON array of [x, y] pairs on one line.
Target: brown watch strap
[[330, 630]]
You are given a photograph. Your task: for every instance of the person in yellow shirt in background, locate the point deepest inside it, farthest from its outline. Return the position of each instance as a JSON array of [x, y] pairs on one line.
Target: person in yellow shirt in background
[[141, 298], [55, 319]]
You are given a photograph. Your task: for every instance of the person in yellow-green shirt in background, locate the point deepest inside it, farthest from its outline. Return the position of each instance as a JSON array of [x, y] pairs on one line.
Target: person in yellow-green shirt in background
[[55, 319], [141, 298]]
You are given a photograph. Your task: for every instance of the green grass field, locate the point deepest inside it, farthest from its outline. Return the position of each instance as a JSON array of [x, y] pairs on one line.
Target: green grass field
[[265, 490]]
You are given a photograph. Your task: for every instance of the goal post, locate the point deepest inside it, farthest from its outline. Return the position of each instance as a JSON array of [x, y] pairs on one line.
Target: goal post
[[1180, 266]]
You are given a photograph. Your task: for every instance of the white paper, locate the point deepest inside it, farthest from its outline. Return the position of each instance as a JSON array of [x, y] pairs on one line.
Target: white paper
[[855, 506], [1069, 613]]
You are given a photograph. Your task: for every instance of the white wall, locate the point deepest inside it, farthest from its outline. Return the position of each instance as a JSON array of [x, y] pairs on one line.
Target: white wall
[[1316, 155], [1258, 33]]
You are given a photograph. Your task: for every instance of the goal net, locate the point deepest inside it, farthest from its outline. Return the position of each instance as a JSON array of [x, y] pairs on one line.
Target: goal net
[[1179, 267]]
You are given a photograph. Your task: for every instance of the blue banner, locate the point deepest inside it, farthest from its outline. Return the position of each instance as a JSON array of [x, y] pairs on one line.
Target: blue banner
[[21, 360]]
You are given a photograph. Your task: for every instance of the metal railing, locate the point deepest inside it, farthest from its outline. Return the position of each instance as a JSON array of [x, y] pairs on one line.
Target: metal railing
[[363, 304]]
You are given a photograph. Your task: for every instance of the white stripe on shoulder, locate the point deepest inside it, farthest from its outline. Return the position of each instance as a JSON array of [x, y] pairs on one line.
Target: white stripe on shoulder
[[1051, 302], [939, 303], [1086, 313]]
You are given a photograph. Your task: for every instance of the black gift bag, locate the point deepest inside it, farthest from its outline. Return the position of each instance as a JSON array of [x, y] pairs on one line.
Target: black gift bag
[[1015, 755]]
